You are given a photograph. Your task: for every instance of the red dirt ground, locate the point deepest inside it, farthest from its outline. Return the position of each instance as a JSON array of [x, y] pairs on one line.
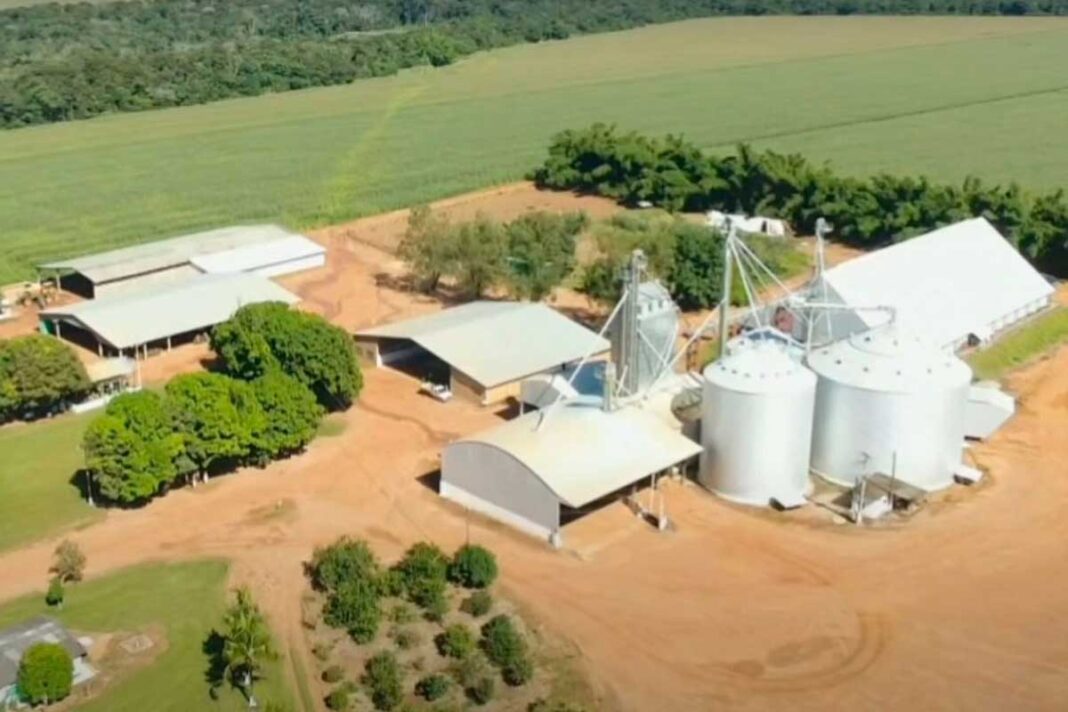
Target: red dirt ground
[[961, 608]]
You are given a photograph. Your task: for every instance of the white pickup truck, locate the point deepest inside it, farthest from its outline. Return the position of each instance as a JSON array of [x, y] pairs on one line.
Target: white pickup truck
[[436, 390]]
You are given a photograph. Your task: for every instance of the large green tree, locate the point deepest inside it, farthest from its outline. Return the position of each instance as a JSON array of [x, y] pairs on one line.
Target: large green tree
[[319, 355], [480, 252], [219, 419], [293, 414], [38, 374], [541, 251], [46, 674], [427, 247], [132, 450], [696, 280], [247, 643]]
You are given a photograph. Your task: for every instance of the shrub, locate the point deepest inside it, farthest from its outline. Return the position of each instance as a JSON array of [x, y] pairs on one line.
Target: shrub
[[346, 560], [506, 649], [322, 650], [391, 583], [518, 671], [473, 566], [437, 607], [432, 687], [334, 673], [354, 607], [482, 691], [501, 642], [477, 604], [457, 641], [338, 699], [46, 673], [69, 564], [406, 638], [55, 594], [401, 613], [423, 571], [382, 676], [469, 670]]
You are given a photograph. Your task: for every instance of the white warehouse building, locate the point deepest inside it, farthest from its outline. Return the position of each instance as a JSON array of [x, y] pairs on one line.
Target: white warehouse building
[[958, 284]]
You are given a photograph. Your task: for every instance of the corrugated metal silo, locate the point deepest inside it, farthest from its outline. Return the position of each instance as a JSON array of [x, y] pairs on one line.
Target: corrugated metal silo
[[640, 357], [887, 403], [756, 426]]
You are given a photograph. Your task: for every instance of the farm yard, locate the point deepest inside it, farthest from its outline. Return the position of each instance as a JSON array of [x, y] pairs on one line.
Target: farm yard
[[320, 471], [944, 97], [829, 615]]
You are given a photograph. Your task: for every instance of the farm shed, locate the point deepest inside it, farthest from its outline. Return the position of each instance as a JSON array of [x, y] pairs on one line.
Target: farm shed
[[17, 639], [134, 322], [529, 478], [483, 349], [266, 250], [959, 284]]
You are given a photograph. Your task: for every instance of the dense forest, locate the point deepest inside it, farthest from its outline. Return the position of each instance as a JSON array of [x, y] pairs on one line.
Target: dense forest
[[72, 61], [676, 175]]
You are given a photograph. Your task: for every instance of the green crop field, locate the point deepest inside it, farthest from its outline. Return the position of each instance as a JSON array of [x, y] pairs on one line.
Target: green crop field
[[940, 96], [187, 600], [37, 464]]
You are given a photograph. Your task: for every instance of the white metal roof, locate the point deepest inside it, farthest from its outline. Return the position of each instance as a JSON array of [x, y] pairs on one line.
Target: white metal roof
[[944, 285], [153, 256], [583, 453], [887, 360], [497, 342], [759, 367], [255, 256], [127, 320]]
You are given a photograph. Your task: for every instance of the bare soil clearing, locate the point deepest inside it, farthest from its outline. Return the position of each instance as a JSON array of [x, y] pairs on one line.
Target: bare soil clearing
[[961, 608]]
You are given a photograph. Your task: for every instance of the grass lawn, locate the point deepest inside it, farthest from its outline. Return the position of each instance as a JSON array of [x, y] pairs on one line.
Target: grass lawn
[[37, 462], [1022, 345], [941, 96], [188, 600]]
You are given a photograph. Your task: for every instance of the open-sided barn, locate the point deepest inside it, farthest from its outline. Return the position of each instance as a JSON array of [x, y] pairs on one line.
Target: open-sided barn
[[132, 323], [960, 283], [266, 250], [483, 349]]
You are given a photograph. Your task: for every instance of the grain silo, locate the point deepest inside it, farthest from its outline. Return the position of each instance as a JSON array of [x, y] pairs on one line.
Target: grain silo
[[888, 403], [756, 426], [643, 338]]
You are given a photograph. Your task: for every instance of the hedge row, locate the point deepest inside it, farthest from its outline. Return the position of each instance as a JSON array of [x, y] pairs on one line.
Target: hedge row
[[675, 174]]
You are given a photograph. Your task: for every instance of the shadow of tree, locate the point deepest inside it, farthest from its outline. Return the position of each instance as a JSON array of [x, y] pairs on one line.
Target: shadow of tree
[[215, 672]]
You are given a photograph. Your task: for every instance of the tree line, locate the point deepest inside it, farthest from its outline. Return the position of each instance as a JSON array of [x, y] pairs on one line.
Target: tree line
[[675, 174], [282, 369], [527, 256], [39, 376], [71, 61]]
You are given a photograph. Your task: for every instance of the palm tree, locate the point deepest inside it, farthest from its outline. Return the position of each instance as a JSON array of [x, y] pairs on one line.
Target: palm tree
[[247, 643]]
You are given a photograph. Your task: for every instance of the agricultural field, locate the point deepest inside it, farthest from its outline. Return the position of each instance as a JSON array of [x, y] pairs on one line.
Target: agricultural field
[[183, 600], [941, 96], [37, 471]]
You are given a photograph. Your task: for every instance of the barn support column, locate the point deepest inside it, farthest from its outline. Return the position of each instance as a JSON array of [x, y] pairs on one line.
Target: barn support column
[[168, 343]]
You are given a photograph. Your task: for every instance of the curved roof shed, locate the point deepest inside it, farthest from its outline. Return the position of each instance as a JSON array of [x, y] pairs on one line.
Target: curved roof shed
[[521, 474]]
